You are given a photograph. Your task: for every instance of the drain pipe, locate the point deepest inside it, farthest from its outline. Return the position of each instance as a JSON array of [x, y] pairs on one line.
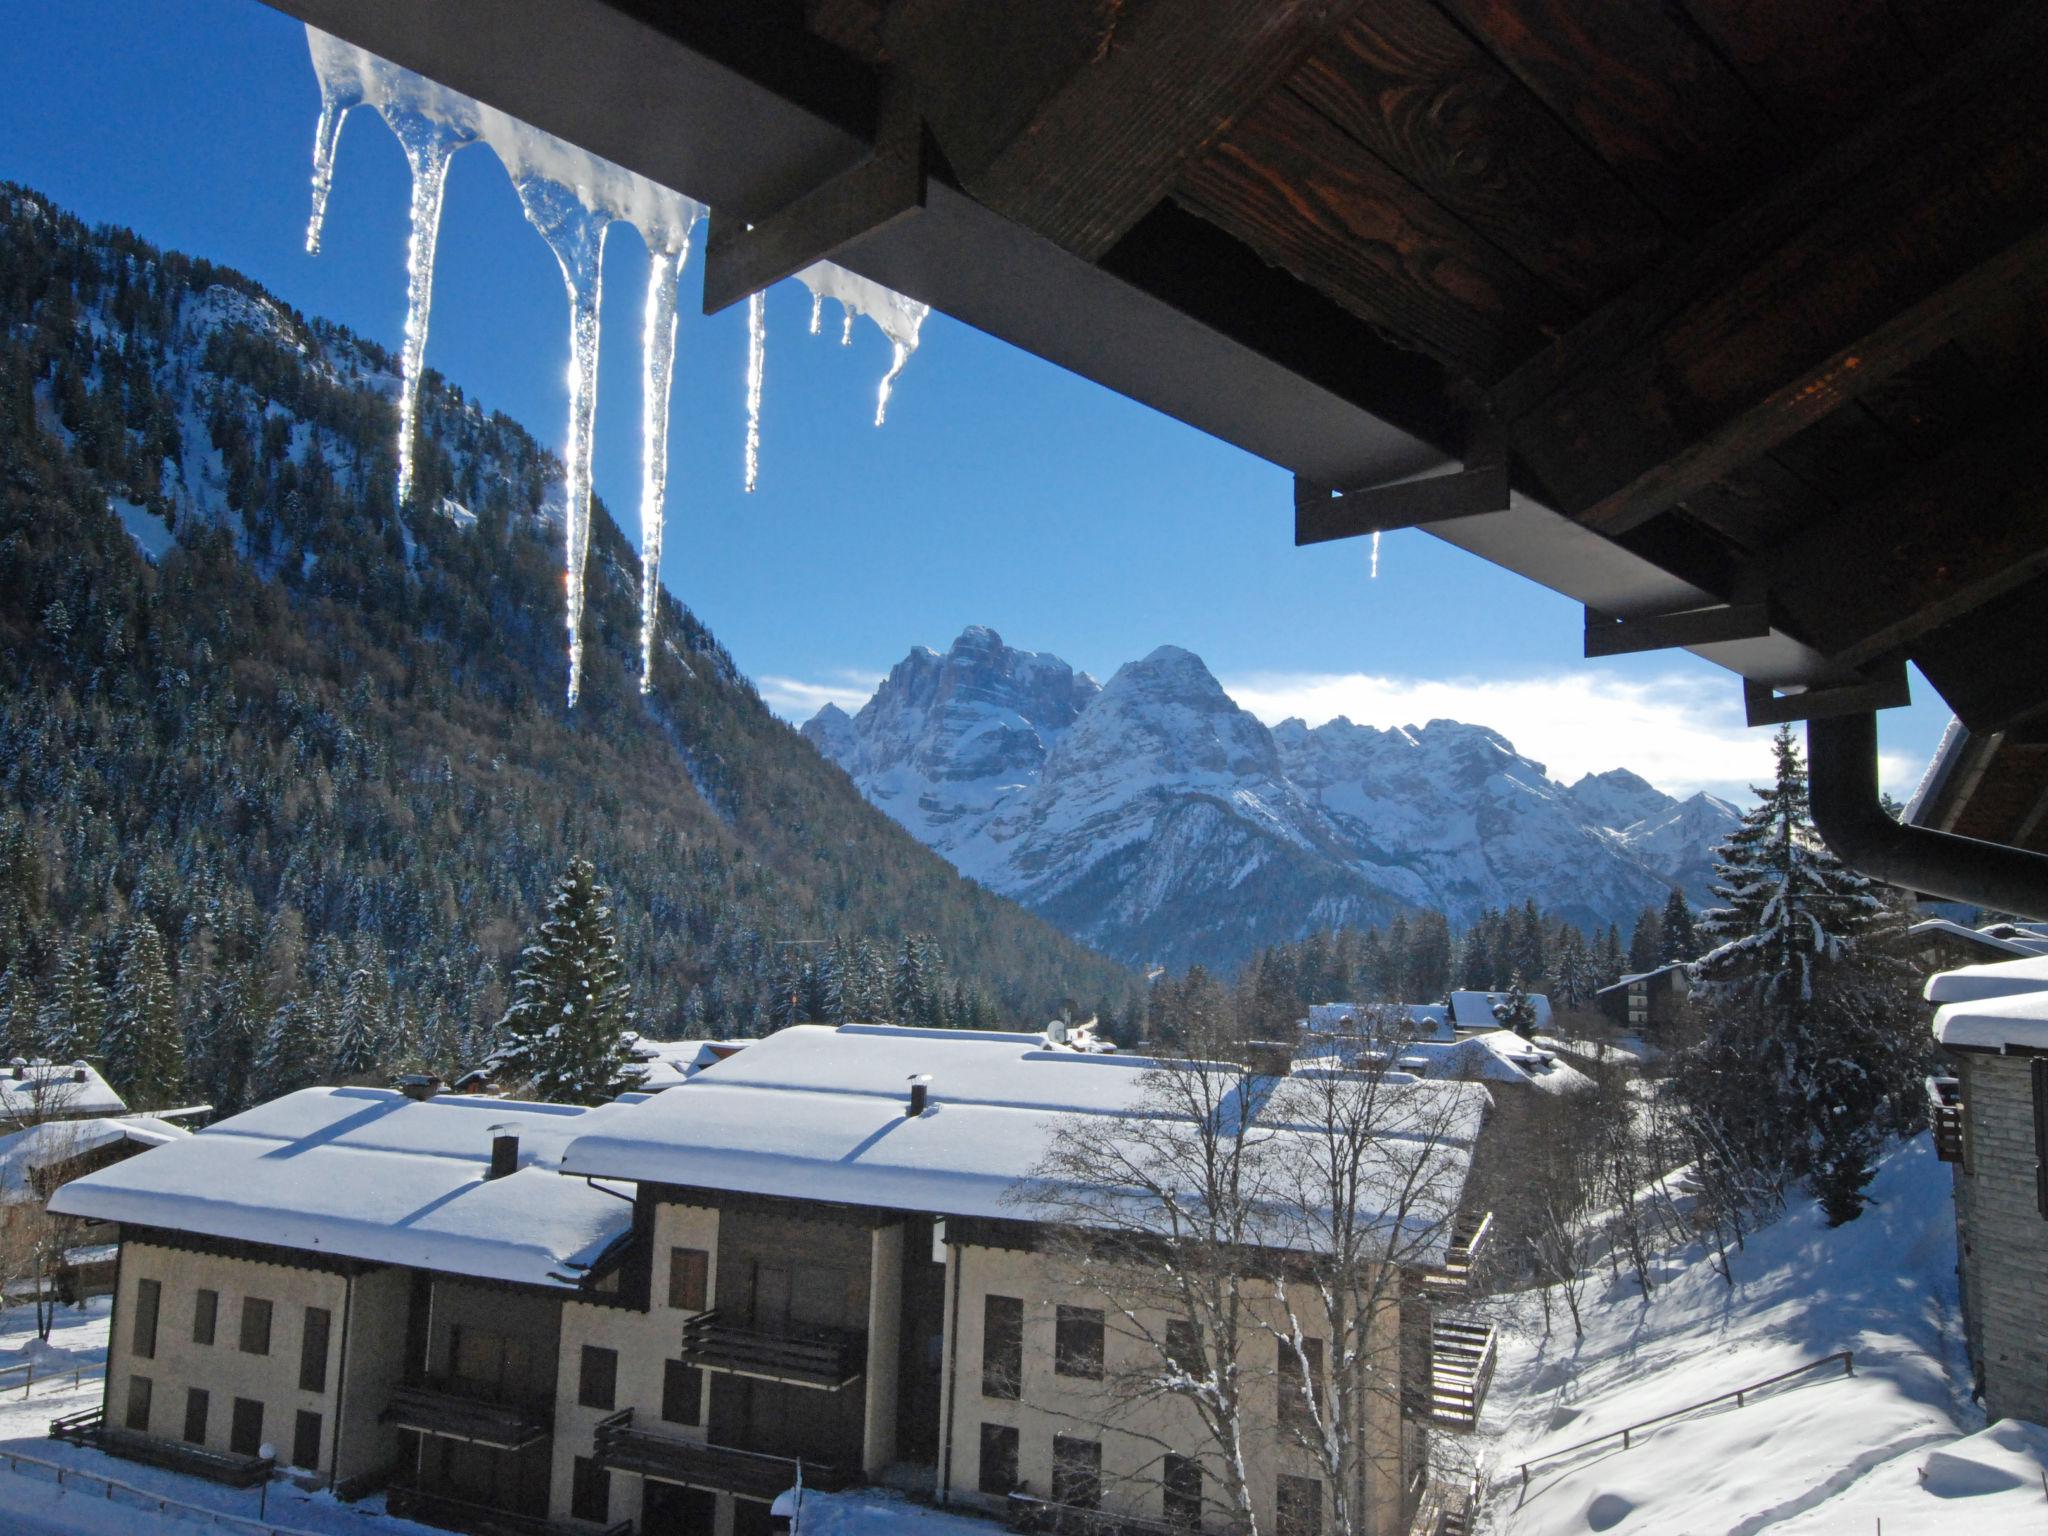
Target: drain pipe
[[1842, 766]]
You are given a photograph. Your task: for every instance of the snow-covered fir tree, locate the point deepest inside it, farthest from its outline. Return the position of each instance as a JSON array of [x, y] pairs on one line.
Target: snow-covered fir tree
[[142, 1047], [1516, 1011], [360, 1037], [564, 1039], [1574, 985], [1646, 943], [75, 1018], [1813, 1049]]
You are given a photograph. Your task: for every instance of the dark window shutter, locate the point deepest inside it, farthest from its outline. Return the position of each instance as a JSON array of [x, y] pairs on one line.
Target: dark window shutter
[[682, 1393], [196, 1404], [149, 1296], [205, 1310], [313, 1353], [306, 1441], [599, 1383]]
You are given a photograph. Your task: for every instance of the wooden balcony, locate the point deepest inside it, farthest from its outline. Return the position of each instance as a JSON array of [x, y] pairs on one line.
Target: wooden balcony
[[1945, 1118], [622, 1447], [824, 1358], [1454, 1277], [1461, 1362], [430, 1508], [437, 1408]]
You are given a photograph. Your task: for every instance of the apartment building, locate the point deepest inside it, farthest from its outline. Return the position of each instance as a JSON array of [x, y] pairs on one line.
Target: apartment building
[[810, 1263]]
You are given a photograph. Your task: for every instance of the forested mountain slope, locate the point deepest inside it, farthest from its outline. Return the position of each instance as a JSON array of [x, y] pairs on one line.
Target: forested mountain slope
[[322, 746]]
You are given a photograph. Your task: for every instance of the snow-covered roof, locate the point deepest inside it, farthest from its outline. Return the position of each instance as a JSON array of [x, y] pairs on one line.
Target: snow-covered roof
[[668, 1062], [1624, 982], [1496, 1056], [815, 1113], [47, 1089], [366, 1173], [2000, 978], [1426, 1021], [1474, 1010], [2008, 942], [1995, 1022], [55, 1141]]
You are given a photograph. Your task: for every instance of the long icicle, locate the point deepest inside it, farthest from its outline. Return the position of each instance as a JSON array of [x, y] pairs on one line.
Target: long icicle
[[428, 150], [576, 235], [657, 373], [757, 358], [898, 357], [334, 109], [1375, 554]]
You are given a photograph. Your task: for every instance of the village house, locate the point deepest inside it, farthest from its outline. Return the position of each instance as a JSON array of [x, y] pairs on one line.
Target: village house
[[1647, 1002], [34, 1091], [807, 1264], [1990, 1119]]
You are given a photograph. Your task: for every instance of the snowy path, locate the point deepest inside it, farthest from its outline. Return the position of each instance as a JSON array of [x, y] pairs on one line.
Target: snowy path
[[1898, 1441], [33, 1504]]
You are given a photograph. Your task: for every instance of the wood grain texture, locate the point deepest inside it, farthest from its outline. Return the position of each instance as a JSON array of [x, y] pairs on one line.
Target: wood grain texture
[[1421, 95], [1074, 118], [1639, 85], [1313, 201]]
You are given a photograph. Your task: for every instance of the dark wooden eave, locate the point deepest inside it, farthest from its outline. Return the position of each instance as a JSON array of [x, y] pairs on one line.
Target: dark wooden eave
[[1750, 294]]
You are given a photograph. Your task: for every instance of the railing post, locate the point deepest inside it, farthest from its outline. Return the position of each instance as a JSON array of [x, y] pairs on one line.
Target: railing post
[[1848, 1362]]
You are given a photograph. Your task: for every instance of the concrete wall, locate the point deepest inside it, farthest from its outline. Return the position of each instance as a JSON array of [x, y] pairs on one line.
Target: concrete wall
[[373, 1362], [885, 1334], [221, 1368], [1051, 1404], [646, 1342], [2004, 1237]]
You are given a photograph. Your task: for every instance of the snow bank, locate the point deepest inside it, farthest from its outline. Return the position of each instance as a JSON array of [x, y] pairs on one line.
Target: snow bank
[[1822, 1453]]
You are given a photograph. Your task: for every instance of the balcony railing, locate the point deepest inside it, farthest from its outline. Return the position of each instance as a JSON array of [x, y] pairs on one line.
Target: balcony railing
[[440, 1409], [1026, 1513], [825, 1358], [1945, 1118], [621, 1447], [455, 1514], [1454, 1278], [1461, 1361], [227, 1467]]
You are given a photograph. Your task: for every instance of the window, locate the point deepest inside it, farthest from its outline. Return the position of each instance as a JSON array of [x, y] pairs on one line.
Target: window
[[1299, 1510], [590, 1491], [1296, 1412], [689, 1279], [196, 1404], [598, 1383], [998, 1460], [306, 1441], [1076, 1471], [205, 1310], [682, 1393], [149, 1295], [138, 1403], [1184, 1346], [255, 1326], [313, 1353], [245, 1430], [1077, 1343], [1182, 1476], [1002, 1346]]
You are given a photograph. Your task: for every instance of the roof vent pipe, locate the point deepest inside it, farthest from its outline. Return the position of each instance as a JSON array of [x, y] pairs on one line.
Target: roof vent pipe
[[20, 1066], [1842, 766], [504, 1154], [78, 1071], [920, 1086]]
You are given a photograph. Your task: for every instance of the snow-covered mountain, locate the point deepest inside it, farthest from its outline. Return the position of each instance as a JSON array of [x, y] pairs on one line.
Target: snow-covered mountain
[[1157, 820]]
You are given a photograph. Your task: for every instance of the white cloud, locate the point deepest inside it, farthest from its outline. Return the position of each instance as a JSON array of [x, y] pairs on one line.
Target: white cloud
[[797, 700], [1682, 734]]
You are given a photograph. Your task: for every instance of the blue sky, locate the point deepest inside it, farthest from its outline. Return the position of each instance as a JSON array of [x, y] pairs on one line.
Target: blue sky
[[1003, 491]]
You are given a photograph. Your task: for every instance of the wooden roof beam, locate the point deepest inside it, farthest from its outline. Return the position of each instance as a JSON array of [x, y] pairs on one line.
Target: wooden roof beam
[[1844, 274], [1074, 117]]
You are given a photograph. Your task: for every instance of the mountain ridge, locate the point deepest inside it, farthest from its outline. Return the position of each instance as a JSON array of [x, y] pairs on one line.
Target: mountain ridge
[[1155, 818]]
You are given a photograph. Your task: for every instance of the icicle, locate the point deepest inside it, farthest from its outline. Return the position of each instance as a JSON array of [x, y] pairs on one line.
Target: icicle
[[429, 146], [576, 235], [1375, 554], [334, 108], [817, 311], [897, 318], [757, 357], [657, 372]]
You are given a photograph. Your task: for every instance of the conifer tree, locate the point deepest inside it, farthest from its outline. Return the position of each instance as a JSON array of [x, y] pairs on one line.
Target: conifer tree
[[1646, 943], [1607, 964], [75, 1018], [296, 1047], [1516, 1011], [1813, 1049], [1677, 941], [1573, 986], [360, 1043], [142, 1047], [564, 1037]]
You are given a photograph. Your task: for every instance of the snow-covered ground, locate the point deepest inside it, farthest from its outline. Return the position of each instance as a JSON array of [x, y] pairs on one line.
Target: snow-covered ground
[[34, 1503], [1899, 1441]]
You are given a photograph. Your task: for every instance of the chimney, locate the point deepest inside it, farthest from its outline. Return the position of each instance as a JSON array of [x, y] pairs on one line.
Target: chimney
[[20, 1066], [504, 1153], [418, 1086], [78, 1071], [920, 1086]]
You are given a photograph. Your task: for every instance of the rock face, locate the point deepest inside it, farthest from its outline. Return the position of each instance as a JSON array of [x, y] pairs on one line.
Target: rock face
[[1158, 821]]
